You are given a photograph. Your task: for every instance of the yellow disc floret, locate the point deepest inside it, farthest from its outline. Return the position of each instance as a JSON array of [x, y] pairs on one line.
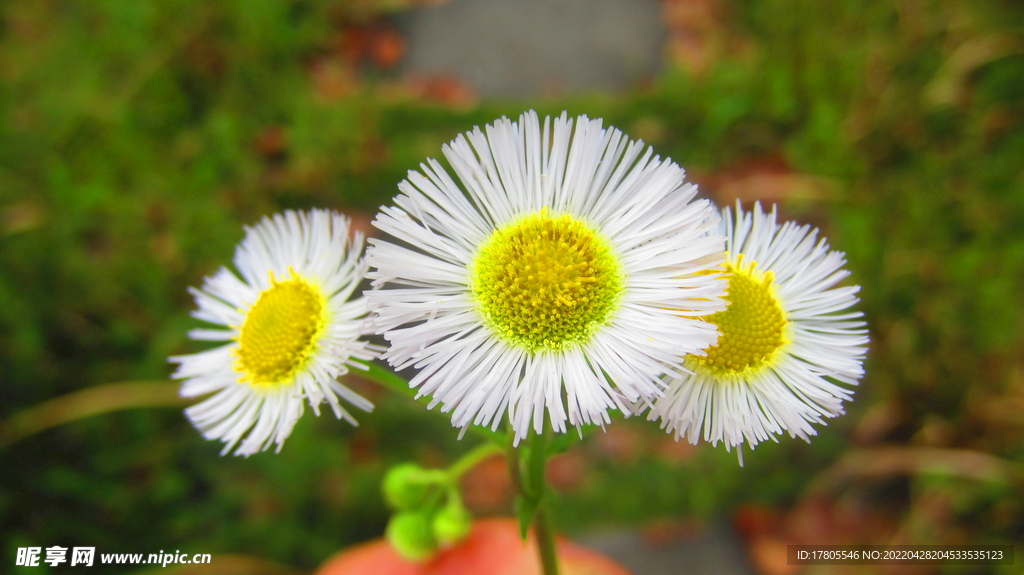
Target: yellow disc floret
[[280, 331], [753, 324], [546, 282]]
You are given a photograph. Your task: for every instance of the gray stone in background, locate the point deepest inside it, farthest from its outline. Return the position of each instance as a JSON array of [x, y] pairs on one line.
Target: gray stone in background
[[715, 551], [522, 48]]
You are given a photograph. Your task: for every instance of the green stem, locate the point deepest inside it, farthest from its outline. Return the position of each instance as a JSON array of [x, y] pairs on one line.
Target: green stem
[[95, 400], [530, 480], [386, 378], [471, 458], [545, 541]]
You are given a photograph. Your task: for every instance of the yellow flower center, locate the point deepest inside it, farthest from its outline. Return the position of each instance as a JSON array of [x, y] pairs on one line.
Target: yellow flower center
[[546, 283], [280, 332], [752, 325]]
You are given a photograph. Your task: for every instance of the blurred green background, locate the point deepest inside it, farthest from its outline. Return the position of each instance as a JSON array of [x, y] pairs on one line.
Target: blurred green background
[[137, 137]]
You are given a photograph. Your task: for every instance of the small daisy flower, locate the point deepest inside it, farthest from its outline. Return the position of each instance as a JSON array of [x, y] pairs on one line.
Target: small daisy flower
[[561, 277], [291, 327], [788, 338]]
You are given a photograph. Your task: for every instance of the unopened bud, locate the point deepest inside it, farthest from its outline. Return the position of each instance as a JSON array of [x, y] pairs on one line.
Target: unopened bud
[[409, 533]]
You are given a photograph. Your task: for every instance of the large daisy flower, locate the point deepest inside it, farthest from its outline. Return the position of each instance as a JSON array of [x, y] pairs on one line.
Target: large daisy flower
[[788, 340], [291, 331], [561, 276]]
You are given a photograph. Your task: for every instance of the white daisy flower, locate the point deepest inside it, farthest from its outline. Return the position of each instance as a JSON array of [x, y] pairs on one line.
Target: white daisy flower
[[788, 338], [291, 327], [561, 277]]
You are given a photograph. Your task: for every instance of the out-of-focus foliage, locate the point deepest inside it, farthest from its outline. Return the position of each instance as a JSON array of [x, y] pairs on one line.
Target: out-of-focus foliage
[[137, 137]]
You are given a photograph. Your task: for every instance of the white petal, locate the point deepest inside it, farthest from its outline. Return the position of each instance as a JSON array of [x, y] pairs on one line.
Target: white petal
[[424, 307], [317, 247]]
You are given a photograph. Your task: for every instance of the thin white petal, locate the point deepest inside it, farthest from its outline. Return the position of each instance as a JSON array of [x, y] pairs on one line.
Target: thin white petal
[[424, 307], [316, 246], [805, 383]]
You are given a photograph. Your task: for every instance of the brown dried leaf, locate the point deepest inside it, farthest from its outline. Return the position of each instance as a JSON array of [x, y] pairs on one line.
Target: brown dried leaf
[[950, 84], [767, 178], [879, 421], [332, 79], [443, 89], [886, 461], [22, 217], [386, 47], [271, 143]]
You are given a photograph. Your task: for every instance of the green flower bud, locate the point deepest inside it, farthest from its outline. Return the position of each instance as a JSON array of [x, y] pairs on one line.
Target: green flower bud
[[452, 523], [409, 533], [406, 486]]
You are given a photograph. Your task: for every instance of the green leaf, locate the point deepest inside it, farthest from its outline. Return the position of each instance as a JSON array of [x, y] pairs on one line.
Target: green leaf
[[526, 509]]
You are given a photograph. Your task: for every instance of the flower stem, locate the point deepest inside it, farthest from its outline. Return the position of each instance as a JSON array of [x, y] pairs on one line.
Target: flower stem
[[470, 459], [545, 541], [95, 400], [527, 465]]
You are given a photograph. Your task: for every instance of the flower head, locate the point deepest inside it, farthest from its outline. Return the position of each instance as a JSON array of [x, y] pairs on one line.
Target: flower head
[[291, 327], [788, 339], [561, 277]]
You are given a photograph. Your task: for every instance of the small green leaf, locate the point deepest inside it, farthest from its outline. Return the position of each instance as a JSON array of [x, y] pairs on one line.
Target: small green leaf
[[526, 509]]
